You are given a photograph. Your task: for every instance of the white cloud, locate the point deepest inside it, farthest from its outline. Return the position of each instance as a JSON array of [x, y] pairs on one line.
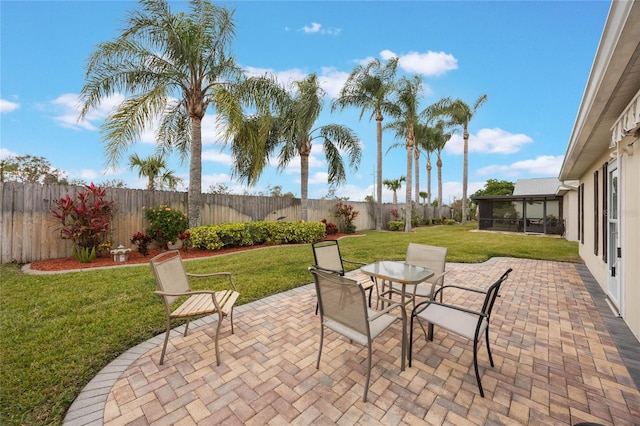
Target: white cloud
[[285, 78], [489, 141], [8, 106], [211, 131], [316, 28], [5, 153], [332, 81], [313, 28], [429, 63], [544, 165], [216, 156], [318, 178], [88, 174], [367, 60], [67, 107]]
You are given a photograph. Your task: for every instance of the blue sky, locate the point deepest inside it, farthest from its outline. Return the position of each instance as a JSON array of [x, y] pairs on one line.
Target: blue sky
[[532, 59]]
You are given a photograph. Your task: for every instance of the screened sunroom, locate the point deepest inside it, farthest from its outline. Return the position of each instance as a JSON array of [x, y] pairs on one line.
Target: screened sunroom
[[534, 207]]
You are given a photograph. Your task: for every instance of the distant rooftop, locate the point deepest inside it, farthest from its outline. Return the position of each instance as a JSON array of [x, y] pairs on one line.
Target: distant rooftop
[[538, 186]]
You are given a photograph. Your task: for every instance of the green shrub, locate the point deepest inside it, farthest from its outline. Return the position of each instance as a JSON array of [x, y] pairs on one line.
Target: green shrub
[[437, 221], [395, 225], [213, 237], [206, 237], [85, 254], [165, 224], [450, 222], [426, 221], [236, 234]]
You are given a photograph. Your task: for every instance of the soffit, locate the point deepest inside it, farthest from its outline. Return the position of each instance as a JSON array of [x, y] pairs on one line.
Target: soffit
[[612, 84]]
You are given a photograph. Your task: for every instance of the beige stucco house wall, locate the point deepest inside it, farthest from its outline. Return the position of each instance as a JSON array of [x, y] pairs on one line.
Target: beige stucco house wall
[[570, 211], [603, 156]]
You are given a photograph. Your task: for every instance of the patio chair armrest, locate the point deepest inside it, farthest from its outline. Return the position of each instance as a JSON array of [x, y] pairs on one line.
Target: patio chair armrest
[[474, 290], [386, 310], [212, 274], [433, 284], [353, 262], [458, 308], [183, 293]]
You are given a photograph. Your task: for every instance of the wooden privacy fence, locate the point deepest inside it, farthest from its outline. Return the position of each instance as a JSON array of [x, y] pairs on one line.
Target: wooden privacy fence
[[30, 232]]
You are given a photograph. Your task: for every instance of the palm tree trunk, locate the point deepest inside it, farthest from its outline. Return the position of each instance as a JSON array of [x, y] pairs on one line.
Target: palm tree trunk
[[195, 172], [439, 165], [465, 172], [407, 200], [417, 183], [378, 214], [428, 179], [304, 180]]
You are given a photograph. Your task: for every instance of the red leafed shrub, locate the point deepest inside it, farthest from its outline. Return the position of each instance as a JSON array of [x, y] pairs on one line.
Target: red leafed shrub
[[348, 215], [85, 220], [331, 228], [142, 242]]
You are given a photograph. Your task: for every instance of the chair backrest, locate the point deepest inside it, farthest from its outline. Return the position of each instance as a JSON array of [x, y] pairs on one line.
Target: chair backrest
[[342, 300], [431, 257], [327, 256], [492, 293], [170, 274]]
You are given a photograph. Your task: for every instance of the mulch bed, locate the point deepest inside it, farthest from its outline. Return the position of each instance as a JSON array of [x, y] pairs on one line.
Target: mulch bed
[[69, 263]]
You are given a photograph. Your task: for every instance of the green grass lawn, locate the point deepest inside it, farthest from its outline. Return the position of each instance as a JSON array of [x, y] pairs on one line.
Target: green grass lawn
[[58, 331]]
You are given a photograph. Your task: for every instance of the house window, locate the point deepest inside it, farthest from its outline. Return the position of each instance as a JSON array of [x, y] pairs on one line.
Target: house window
[[581, 213], [596, 217], [605, 210], [552, 220]]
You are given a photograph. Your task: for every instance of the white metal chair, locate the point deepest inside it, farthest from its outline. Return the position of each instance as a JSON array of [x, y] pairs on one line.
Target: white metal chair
[[459, 320], [344, 309], [173, 286]]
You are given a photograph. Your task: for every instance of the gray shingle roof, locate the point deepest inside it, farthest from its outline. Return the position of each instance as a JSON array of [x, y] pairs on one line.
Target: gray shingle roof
[[538, 186]]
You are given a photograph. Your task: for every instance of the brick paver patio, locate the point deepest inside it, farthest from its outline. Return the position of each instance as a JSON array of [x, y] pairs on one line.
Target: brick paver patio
[[556, 363]]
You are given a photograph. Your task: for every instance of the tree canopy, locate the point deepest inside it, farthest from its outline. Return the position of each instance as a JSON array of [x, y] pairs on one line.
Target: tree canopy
[[495, 187], [30, 169]]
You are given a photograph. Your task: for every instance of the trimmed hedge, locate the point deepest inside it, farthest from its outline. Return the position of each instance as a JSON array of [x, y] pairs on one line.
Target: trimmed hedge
[[214, 237], [395, 225]]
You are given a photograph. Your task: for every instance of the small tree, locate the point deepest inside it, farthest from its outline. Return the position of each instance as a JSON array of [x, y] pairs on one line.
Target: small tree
[[30, 169], [85, 220], [348, 215], [394, 185]]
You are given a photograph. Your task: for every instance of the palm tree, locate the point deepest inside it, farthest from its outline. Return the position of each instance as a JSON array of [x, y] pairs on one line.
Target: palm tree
[[440, 140], [292, 133], [154, 169], [424, 195], [172, 66], [369, 88], [424, 142], [406, 113], [460, 114], [394, 185]]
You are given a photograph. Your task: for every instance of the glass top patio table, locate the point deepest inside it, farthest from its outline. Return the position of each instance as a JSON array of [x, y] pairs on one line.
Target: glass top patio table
[[397, 271]]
